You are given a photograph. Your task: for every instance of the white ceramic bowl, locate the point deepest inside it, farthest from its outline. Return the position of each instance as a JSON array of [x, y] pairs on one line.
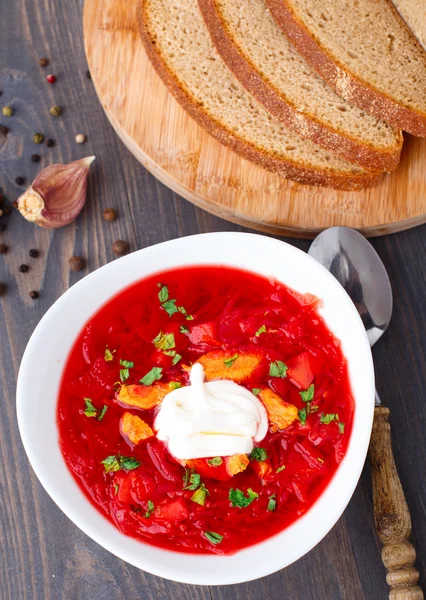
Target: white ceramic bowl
[[48, 349]]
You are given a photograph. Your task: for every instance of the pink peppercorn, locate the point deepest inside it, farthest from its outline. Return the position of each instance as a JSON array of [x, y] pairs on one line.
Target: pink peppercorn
[[51, 78]]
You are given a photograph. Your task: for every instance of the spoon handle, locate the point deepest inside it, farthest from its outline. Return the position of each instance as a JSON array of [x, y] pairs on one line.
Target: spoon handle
[[391, 514]]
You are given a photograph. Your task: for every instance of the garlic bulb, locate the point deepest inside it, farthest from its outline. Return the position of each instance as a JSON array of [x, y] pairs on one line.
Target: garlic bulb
[[57, 194]]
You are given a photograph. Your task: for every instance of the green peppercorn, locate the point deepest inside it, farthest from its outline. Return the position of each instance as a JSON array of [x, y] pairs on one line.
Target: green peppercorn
[[7, 111], [55, 111], [38, 138]]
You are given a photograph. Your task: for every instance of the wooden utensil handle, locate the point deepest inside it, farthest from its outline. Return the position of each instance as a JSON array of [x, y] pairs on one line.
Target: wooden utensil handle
[[391, 514]]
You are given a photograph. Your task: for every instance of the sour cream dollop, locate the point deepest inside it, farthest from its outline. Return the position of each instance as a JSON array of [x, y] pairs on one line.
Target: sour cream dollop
[[203, 420]]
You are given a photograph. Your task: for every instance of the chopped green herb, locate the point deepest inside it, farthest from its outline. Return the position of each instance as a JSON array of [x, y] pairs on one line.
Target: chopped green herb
[[189, 318], [194, 482], [108, 355], [90, 410], [313, 408], [341, 427], [214, 538], [176, 359], [163, 294], [272, 504], [128, 463], [111, 464], [183, 329], [278, 369], [175, 385], [153, 375], [320, 460], [258, 454], [260, 330], [280, 469], [238, 499], [256, 391], [200, 495], [116, 488], [230, 361], [328, 418], [215, 462], [150, 510], [127, 363], [164, 341], [125, 373], [308, 395], [102, 413], [170, 307], [185, 477], [302, 415], [182, 310]]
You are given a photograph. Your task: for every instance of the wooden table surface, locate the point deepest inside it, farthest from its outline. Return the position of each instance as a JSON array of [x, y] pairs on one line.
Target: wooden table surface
[[43, 555]]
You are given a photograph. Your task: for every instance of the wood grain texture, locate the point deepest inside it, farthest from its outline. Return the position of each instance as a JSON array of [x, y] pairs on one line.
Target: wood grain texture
[[168, 142], [391, 514], [43, 555]]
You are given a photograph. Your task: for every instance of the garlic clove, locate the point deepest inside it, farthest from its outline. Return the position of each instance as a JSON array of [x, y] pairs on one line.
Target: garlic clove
[[57, 194]]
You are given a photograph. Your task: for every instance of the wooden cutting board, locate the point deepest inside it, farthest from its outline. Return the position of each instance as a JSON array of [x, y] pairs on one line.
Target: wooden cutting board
[[188, 160]]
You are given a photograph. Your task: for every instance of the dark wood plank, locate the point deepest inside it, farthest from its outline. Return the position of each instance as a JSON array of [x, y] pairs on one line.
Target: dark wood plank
[[44, 556]]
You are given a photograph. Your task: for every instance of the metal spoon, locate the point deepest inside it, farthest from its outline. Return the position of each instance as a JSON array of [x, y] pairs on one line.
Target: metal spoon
[[357, 266]]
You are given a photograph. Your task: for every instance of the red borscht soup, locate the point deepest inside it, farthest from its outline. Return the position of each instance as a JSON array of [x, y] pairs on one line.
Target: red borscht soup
[[242, 328]]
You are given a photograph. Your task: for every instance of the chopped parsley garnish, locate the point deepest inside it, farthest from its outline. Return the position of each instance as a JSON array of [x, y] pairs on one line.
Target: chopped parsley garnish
[[153, 375], [170, 307], [116, 488], [272, 504], [302, 416], [214, 538], [194, 482], [238, 499], [259, 454], [183, 329], [115, 463], [215, 462], [329, 418], [169, 304], [260, 330], [341, 427], [176, 359], [164, 341], [91, 411], [108, 355], [280, 469], [256, 391], [308, 395], [150, 510], [125, 373], [163, 294], [200, 495], [278, 369], [175, 385], [230, 361], [185, 477]]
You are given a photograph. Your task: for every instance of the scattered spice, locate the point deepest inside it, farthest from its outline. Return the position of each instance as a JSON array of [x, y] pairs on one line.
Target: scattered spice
[[120, 248], [23, 268], [110, 214], [76, 263], [43, 62], [33, 253], [35, 158], [4, 130], [55, 111], [34, 295], [88, 75], [7, 111], [38, 138], [3, 289], [3, 249], [20, 180], [80, 138], [50, 143], [51, 78]]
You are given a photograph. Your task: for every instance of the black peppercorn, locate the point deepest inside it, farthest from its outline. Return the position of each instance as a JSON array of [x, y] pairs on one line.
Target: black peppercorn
[[34, 295], [35, 158], [23, 268], [50, 143], [3, 248], [33, 253], [20, 181]]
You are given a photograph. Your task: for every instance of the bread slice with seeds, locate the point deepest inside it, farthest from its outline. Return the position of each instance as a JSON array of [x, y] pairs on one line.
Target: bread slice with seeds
[[413, 13], [180, 48], [365, 51], [268, 65]]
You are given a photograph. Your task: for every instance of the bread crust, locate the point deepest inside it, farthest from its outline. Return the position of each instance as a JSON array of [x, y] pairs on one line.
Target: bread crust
[[345, 83], [307, 126], [285, 168]]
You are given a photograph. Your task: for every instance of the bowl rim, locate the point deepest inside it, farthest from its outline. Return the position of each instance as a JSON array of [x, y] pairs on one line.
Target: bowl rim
[[205, 569]]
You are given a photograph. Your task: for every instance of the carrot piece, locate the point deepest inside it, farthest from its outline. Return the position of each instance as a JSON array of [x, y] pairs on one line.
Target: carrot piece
[[142, 396], [281, 414], [229, 364], [236, 463], [134, 429], [262, 468]]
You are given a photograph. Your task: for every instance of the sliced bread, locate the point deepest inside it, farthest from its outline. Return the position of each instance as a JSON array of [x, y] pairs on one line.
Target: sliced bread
[[365, 51], [180, 48], [267, 64], [414, 14]]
